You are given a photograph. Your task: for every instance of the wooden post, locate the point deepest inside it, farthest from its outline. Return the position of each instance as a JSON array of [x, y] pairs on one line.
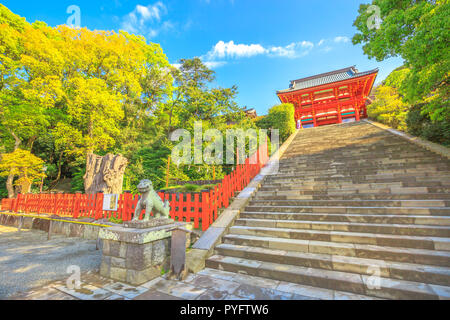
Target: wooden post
[[178, 253], [20, 224], [205, 210], [167, 172], [214, 172], [49, 230]]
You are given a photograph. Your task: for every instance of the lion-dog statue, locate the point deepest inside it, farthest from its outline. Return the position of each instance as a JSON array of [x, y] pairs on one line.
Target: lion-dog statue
[[151, 202]]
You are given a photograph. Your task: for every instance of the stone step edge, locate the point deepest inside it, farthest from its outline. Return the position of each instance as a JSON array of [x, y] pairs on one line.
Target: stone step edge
[[443, 209], [342, 247], [346, 223], [437, 242], [329, 279], [307, 291], [349, 203], [445, 196], [328, 217], [364, 265]]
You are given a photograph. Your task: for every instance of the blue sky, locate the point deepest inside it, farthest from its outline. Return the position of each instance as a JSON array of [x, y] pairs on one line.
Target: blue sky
[[257, 45]]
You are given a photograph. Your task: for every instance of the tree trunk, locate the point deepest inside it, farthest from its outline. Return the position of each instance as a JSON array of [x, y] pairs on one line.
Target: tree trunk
[[10, 186], [10, 180], [104, 174], [58, 176]]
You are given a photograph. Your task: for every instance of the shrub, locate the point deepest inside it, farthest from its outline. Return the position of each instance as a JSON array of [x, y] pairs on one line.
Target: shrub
[[388, 108], [280, 117], [420, 124]]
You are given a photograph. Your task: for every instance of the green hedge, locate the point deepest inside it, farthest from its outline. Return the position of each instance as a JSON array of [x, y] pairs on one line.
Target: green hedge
[[420, 124], [280, 117]]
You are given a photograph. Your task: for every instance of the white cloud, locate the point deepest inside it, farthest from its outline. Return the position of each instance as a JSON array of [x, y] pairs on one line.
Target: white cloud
[[151, 11], [215, 64], [293, 50], [231, 50], [341, 39], [143, 19]]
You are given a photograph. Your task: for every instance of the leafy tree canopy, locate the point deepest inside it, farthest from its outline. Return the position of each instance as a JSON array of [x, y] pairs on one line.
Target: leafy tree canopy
[[419, 32]]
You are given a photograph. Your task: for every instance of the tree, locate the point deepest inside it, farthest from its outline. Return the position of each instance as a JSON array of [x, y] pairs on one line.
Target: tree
[[281, 117], [69, 95], [24, 165], [389, 106], [419, 32]]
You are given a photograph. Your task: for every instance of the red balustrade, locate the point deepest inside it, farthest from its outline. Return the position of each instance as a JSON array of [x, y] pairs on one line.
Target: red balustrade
[[192, 207]]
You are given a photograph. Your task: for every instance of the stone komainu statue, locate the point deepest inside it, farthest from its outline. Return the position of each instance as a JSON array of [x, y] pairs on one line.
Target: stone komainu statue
[[151, 202]]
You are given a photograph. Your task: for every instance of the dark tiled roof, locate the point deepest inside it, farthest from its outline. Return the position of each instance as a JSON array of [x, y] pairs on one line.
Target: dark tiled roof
[[325, 78]]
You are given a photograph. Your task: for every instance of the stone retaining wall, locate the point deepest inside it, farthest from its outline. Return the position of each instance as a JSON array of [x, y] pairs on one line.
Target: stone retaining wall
[[68, 229]]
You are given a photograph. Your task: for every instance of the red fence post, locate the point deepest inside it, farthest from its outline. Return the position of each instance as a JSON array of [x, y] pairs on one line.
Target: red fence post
[[196, 210], [76, 206], [98, 206], [205, 211]]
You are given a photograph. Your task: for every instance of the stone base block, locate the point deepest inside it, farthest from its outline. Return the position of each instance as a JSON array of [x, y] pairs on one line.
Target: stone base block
[[136, 255]]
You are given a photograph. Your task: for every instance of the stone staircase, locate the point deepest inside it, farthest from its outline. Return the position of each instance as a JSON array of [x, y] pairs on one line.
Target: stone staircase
[[350, 202]]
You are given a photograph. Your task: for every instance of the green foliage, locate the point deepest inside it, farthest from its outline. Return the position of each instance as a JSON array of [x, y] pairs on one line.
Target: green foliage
[[77, 181], [3, 192], [23, 165], [389, 106], [65, 92], [115, 220], [420, 124], [281, 117], [419, 32], [188, 187]]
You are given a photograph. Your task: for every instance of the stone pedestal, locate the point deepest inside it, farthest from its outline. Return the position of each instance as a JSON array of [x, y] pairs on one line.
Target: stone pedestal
[[137, 252]]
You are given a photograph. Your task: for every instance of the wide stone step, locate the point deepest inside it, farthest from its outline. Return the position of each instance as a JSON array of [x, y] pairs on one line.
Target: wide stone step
[[350, 183], [339, 188], [355, 203], [391, 240], [357, 177], [357, 163], [367, 169], [409, 255], [365, 189], [362, 218], [372, 175], [323, 160], [260, 288], [395, 229], [388, 269], [302, 195], [362, 210], [337, 280], [379, 155]]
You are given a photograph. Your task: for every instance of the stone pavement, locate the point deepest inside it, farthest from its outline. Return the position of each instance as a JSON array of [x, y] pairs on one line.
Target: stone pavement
[[33, 268], [29, 260], [208, 284]]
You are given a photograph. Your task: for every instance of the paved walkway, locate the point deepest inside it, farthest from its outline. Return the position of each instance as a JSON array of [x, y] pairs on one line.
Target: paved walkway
[[32, 268], [29, 260], [208, 284]]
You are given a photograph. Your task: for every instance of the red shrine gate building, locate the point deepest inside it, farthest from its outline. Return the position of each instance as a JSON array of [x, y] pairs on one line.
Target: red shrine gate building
[[332, 97]]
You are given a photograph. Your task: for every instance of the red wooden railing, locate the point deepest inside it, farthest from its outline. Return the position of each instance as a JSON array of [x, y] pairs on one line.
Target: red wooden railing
[[192, 207]]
